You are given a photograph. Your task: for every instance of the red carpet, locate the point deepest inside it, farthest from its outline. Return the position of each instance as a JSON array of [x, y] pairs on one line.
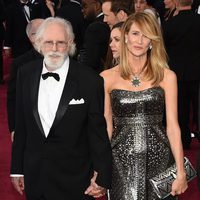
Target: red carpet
[[8, 193]]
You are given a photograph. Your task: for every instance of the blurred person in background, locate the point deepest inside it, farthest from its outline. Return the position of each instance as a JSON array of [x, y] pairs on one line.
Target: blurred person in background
[[96, 36], [182, 41], [30, 55], [117, 10], [113, 53], [2, 32]]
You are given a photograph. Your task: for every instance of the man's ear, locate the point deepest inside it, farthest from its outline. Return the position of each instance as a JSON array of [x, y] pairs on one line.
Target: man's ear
[[37, 45], [98, 6], [122, 16], [69, 42]]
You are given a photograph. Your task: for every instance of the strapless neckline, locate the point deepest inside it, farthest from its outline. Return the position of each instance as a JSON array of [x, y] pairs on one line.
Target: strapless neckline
[[140, 91]]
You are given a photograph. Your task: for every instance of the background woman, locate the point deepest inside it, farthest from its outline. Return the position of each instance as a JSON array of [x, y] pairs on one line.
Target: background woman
[[112, 58]]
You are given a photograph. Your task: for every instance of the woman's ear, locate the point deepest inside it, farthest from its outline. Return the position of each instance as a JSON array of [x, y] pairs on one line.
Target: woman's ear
[[150, 46], [126, 39]]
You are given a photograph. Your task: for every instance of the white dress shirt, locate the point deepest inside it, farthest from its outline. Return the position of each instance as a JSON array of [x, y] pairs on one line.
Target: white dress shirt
[[50, 91], [27, 13]]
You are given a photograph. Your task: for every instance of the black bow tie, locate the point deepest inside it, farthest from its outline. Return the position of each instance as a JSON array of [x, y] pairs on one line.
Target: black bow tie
[[48, 74], [26, 4]]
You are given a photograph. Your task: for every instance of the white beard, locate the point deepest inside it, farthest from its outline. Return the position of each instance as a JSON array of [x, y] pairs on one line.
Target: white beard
[[54, 60]]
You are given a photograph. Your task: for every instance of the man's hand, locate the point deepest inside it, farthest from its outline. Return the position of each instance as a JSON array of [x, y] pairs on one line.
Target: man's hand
[[12, 136], [18, 183], [95, 190], [8, 52]]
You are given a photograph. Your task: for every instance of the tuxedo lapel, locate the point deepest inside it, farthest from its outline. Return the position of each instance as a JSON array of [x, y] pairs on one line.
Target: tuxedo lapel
[[35, 80], [68, 91]]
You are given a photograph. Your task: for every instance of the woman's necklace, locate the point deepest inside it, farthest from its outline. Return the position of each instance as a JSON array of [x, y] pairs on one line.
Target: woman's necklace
[[136, 80]]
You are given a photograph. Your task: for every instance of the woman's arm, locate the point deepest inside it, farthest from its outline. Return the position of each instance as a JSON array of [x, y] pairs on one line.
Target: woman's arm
[[169, 85], [108, 108]]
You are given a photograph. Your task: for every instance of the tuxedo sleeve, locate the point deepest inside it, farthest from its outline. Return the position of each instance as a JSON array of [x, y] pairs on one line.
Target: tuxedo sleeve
[[11, 96], [18, 145], [99, 142], [9, 24]]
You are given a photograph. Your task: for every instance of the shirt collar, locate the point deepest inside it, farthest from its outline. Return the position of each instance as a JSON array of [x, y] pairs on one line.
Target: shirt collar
[[100, 14]]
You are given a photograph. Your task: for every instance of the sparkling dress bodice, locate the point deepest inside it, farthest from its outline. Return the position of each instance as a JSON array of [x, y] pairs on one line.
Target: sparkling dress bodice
[[140, 146]]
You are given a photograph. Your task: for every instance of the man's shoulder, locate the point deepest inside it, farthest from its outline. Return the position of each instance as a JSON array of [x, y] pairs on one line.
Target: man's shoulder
[[30, 55], [31, 66], [12, 7], [98, 25], [85, 73]]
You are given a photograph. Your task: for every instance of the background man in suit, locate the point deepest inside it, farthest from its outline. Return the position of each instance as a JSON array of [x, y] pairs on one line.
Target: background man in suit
[[181, 34], [117, 11], [71, 11], [18, 14], [61, 147], [31, 55], [96, 36], [2, 18]]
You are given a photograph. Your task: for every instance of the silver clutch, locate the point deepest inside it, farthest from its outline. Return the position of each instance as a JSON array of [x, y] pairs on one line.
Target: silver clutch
[[162, 183]]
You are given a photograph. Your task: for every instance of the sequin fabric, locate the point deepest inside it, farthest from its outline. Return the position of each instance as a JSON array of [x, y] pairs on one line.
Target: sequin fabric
[[139, 145]]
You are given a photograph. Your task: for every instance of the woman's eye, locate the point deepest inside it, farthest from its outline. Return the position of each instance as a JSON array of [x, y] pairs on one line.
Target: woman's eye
[[135, 33], [117, 39]]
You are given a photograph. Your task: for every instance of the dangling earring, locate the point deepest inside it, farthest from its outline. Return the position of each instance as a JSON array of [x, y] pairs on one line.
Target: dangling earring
[[150, 47], [126, 41]]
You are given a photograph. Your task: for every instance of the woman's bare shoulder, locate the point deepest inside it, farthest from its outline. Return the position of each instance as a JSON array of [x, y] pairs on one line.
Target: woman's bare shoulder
[[169, 75], [169, 78], [109, 73]]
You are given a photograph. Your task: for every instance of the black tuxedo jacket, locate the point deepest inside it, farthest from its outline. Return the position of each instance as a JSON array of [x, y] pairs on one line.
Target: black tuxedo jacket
[[71, 11], [2, 18], [15, 35], [95, 44], [61, 165], [182, 40], [2, 30], [11, 92]]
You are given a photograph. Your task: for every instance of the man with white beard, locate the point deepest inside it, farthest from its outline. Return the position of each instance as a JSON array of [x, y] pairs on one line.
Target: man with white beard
[[61, 148]]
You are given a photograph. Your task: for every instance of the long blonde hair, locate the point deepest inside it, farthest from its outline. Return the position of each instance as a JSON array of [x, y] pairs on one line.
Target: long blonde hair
[[156, 56]]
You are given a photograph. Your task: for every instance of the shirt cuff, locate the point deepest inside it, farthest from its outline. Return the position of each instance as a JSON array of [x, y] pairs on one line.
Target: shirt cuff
[[6, 47], [16, 175]]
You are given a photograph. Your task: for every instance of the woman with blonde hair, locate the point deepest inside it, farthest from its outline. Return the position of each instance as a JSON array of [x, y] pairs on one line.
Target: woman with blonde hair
[[137, 91], [171, 9]]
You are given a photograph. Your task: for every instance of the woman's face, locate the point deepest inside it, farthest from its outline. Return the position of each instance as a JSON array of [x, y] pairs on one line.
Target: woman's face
[[115, 36], [169, 4], [137, 43], [140, 5]]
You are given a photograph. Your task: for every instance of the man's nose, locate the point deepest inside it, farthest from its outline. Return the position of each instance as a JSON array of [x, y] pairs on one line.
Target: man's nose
[[54, 47]]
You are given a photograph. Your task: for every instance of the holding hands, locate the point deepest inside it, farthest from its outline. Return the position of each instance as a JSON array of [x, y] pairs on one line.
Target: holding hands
[[95, 190], [18, 183]]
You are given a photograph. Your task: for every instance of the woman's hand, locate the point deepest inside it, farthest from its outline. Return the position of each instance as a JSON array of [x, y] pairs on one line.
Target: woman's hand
[[179, 185]]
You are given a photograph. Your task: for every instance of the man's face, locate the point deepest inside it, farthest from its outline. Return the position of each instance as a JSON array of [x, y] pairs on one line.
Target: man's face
[[24, 1], [88, 9], [109, 17], [54, 46], [35, 25]]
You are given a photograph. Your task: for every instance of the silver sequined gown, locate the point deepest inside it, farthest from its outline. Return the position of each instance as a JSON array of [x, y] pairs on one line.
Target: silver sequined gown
[[139, 145]]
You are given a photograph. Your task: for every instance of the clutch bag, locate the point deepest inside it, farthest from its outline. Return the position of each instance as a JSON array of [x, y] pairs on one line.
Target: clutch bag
[[162, 183]]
